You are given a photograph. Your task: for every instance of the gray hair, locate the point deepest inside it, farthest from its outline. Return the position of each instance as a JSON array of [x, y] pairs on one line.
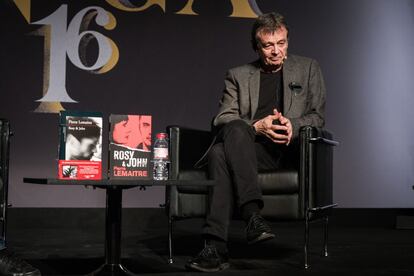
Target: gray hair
[[268, 23]]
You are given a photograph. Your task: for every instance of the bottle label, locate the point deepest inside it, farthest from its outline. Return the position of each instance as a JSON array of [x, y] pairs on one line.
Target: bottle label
[[160, 153]]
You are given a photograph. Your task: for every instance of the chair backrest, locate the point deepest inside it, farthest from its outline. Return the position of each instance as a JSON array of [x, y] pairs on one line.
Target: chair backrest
[[4, 176], [195, 143]]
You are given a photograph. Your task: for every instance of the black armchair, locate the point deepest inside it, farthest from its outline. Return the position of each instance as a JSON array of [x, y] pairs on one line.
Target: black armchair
[[4, 177], [302, 192]]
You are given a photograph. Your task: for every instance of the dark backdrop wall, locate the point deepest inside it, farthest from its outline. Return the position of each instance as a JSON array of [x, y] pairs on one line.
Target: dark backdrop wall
[[168, 58]]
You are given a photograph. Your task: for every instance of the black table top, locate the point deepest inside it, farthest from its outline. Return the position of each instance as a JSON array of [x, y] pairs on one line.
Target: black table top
[[118, 182]]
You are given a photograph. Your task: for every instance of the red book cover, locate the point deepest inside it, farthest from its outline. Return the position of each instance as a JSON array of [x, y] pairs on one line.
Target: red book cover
[[80, 149], [130, 146]]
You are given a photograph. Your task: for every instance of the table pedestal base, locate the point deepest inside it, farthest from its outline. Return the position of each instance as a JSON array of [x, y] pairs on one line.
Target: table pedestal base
[[112, 269], [113, 221]]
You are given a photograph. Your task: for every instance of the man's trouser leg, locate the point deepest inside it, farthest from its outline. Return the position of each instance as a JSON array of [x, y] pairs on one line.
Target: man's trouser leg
[[233, 164]]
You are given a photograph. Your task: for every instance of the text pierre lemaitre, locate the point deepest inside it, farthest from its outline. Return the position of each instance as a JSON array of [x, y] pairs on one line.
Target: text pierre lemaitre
[[129, 161], [77, 124]]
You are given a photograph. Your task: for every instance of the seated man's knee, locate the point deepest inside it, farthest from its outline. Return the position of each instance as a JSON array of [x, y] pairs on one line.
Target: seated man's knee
[[238, 128]]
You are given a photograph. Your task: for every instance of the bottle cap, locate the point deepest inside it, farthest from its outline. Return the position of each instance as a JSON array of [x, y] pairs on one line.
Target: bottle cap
[[162, 135]]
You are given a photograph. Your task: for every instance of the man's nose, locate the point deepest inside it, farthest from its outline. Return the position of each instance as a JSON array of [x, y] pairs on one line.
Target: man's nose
[[275, 50]]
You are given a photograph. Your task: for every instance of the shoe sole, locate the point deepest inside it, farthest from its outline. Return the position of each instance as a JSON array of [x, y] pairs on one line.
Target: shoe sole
[[197, 268], [262, 238]]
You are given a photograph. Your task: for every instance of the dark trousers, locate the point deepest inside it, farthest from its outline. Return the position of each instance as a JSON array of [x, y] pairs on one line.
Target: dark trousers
[[234, 162]]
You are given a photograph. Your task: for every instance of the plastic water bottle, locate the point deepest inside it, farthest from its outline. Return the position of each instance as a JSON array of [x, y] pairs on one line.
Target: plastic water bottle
[[161, 157]]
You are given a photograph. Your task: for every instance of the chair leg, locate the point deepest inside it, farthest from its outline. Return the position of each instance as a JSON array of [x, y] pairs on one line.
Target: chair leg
[[170, 229], [325, 253], [3, 207], [306, 248]]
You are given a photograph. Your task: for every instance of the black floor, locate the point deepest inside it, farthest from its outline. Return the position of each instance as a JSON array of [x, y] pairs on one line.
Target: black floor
[[70, 242]]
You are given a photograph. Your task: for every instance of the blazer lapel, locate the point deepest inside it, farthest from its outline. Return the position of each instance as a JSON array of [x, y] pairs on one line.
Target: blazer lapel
[[288, 77], [254, 87]]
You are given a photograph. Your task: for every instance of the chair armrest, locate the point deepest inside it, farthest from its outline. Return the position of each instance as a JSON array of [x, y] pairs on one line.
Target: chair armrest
[[320, 135], [317, 135], [187, 131], [324, 141], [316, 167], [187, 146]]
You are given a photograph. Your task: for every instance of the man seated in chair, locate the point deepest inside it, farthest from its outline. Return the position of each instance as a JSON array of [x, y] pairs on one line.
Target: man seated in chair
[[264, 104]]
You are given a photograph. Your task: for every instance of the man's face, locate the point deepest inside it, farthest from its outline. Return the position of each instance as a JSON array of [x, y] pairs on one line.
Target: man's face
[[272, 47], [145, 127], [86, 148], [126, 132]]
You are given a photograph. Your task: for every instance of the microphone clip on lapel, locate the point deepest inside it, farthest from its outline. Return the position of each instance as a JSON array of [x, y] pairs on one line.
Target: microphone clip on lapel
[[295, 87]]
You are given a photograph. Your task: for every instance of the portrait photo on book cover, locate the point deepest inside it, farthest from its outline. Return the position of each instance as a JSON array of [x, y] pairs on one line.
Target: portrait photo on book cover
[[83, 138], [132, 131]]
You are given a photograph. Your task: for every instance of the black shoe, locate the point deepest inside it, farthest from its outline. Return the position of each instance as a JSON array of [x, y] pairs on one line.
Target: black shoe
[[208, 260], [258, 230], [10, 265]]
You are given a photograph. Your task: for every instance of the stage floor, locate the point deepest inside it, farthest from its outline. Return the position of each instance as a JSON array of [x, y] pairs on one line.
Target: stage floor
[[70, 242]]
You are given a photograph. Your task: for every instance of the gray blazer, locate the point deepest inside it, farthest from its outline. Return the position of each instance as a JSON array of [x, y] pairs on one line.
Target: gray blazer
[[303, 93]]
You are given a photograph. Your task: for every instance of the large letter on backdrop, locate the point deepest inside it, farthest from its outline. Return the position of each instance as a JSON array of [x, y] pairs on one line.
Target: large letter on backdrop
[[245, 8], [241, 8], [188, 9], [61, 40], [125, 5]]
